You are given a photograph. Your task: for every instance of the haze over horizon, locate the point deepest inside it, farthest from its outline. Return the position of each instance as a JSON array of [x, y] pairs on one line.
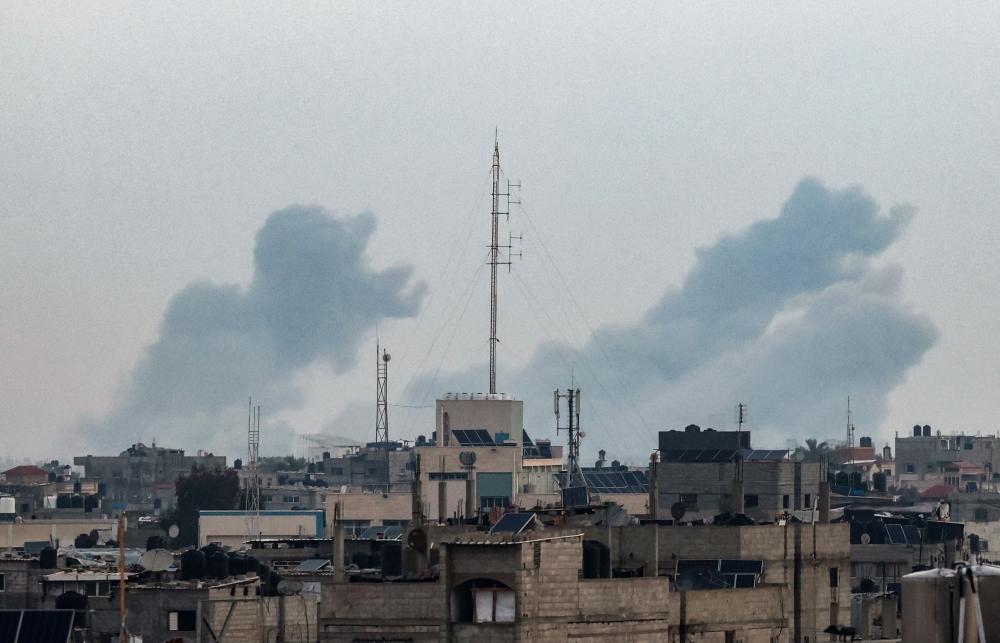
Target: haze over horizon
[[721, 204]]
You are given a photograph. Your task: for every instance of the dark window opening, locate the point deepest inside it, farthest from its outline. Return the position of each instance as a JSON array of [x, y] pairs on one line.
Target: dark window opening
[[784, 501], [981, 515], [751, 500], [488, 502], [182, 621], [833, 577], [909, 468], [808, 502]]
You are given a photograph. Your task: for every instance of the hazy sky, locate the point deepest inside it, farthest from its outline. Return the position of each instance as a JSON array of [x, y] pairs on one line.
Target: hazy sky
[[145, 146]]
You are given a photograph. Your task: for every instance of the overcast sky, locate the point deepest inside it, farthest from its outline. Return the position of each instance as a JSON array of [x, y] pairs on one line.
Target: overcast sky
[[145, 146]]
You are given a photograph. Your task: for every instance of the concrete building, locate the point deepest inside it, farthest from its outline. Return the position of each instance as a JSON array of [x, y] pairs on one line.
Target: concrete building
[[58, 533], [143, 476], [536, 586], [921, 459], [356, 512], [19, 585], [26, 474], [229, 528], [698, 469]]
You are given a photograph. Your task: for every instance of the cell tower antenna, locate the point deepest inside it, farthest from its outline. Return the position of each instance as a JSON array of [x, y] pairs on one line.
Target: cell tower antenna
[[252, 477], [495, 257], [572, 428], [382, 407], [850, 427]]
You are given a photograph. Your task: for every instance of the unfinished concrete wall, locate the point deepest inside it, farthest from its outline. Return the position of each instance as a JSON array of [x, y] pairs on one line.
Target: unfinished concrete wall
[[292, 618], [752, 615]]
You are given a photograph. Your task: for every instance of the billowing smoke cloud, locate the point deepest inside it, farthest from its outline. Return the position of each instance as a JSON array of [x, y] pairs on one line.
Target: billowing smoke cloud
[[313, 297], [787, 316]]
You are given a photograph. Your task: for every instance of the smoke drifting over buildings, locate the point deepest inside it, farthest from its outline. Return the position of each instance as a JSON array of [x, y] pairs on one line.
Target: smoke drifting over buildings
[[789, 316], [313, 297]]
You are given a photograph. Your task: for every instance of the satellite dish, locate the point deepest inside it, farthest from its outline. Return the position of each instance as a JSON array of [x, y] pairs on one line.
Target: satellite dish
[[799, 456], [386, 357], [467, 458], [173, 531], [289, 586], [677, 510], [865, 539], [583, 434], [157, 560], [417, 539]]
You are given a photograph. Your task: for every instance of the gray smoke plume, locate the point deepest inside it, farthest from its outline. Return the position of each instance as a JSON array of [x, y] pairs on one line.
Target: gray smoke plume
[[787, 316], [313, 297]]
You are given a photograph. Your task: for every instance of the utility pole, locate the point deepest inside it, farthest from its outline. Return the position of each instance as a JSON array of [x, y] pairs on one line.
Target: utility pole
[[121, 575], [253, 464], [738, 501], [496, 259]]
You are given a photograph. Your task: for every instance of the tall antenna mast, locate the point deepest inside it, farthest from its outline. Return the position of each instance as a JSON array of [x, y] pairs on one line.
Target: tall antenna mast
[[382, 408], [495, 259], [573, 429], [741, 417], [253, 465], [850, 427]]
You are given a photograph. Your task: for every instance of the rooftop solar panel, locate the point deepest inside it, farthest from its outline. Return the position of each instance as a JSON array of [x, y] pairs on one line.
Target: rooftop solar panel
[[729, 566], [312, 565], [45, 626], [912, 535], [895, 533], [512, 523], [525, 440], [9, 622]]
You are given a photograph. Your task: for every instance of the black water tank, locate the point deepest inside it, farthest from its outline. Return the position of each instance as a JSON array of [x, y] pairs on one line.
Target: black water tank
[[856, 481], [210, 549], [48, 558], [973, 543], [591, 559], [876, 532], [237, 464], [360, 559], [916, 430], [90, 503], [374, 560], [77, 502], [217, 565], [193, 564], [77, 603], [927, 430], [77, 487], [236, 564], [102, 488], [63, 502], [856, 530], [878, 482], [392, 559], [83, 541], [251, 565], [155, 542]]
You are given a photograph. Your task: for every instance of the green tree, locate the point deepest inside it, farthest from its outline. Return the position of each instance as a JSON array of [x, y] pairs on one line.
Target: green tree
[[814, 451], [203, 489]]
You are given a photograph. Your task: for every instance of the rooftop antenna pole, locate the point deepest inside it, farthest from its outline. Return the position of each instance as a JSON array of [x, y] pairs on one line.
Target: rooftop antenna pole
[[496, 259], [253, 462], [573, 430], [382, 407], [850, 427], [741, 418]]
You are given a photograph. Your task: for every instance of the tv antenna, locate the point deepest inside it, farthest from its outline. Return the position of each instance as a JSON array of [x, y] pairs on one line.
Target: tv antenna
[[495, 258], [741, 418], [253, 465]]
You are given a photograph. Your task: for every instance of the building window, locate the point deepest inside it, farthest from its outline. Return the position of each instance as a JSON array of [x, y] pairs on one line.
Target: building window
[[807, 502], [888, 472], [494, 605], [981, 515], [751, 500], [968, 446], [833, 577], [784, 501], [910, 468], [488, 502], [116, 474], [268, 498], [25, 507], [3, 582], [395, 523], [336, 471], [689, 500], [454, 475], [730, 636], [184, 621], [355, 527], [371, 471]]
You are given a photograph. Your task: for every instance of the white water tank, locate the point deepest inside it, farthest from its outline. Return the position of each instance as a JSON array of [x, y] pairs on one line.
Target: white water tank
[[8, 505]]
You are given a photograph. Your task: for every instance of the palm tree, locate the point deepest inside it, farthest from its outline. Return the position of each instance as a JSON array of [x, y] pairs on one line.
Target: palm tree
[[813, 451]]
